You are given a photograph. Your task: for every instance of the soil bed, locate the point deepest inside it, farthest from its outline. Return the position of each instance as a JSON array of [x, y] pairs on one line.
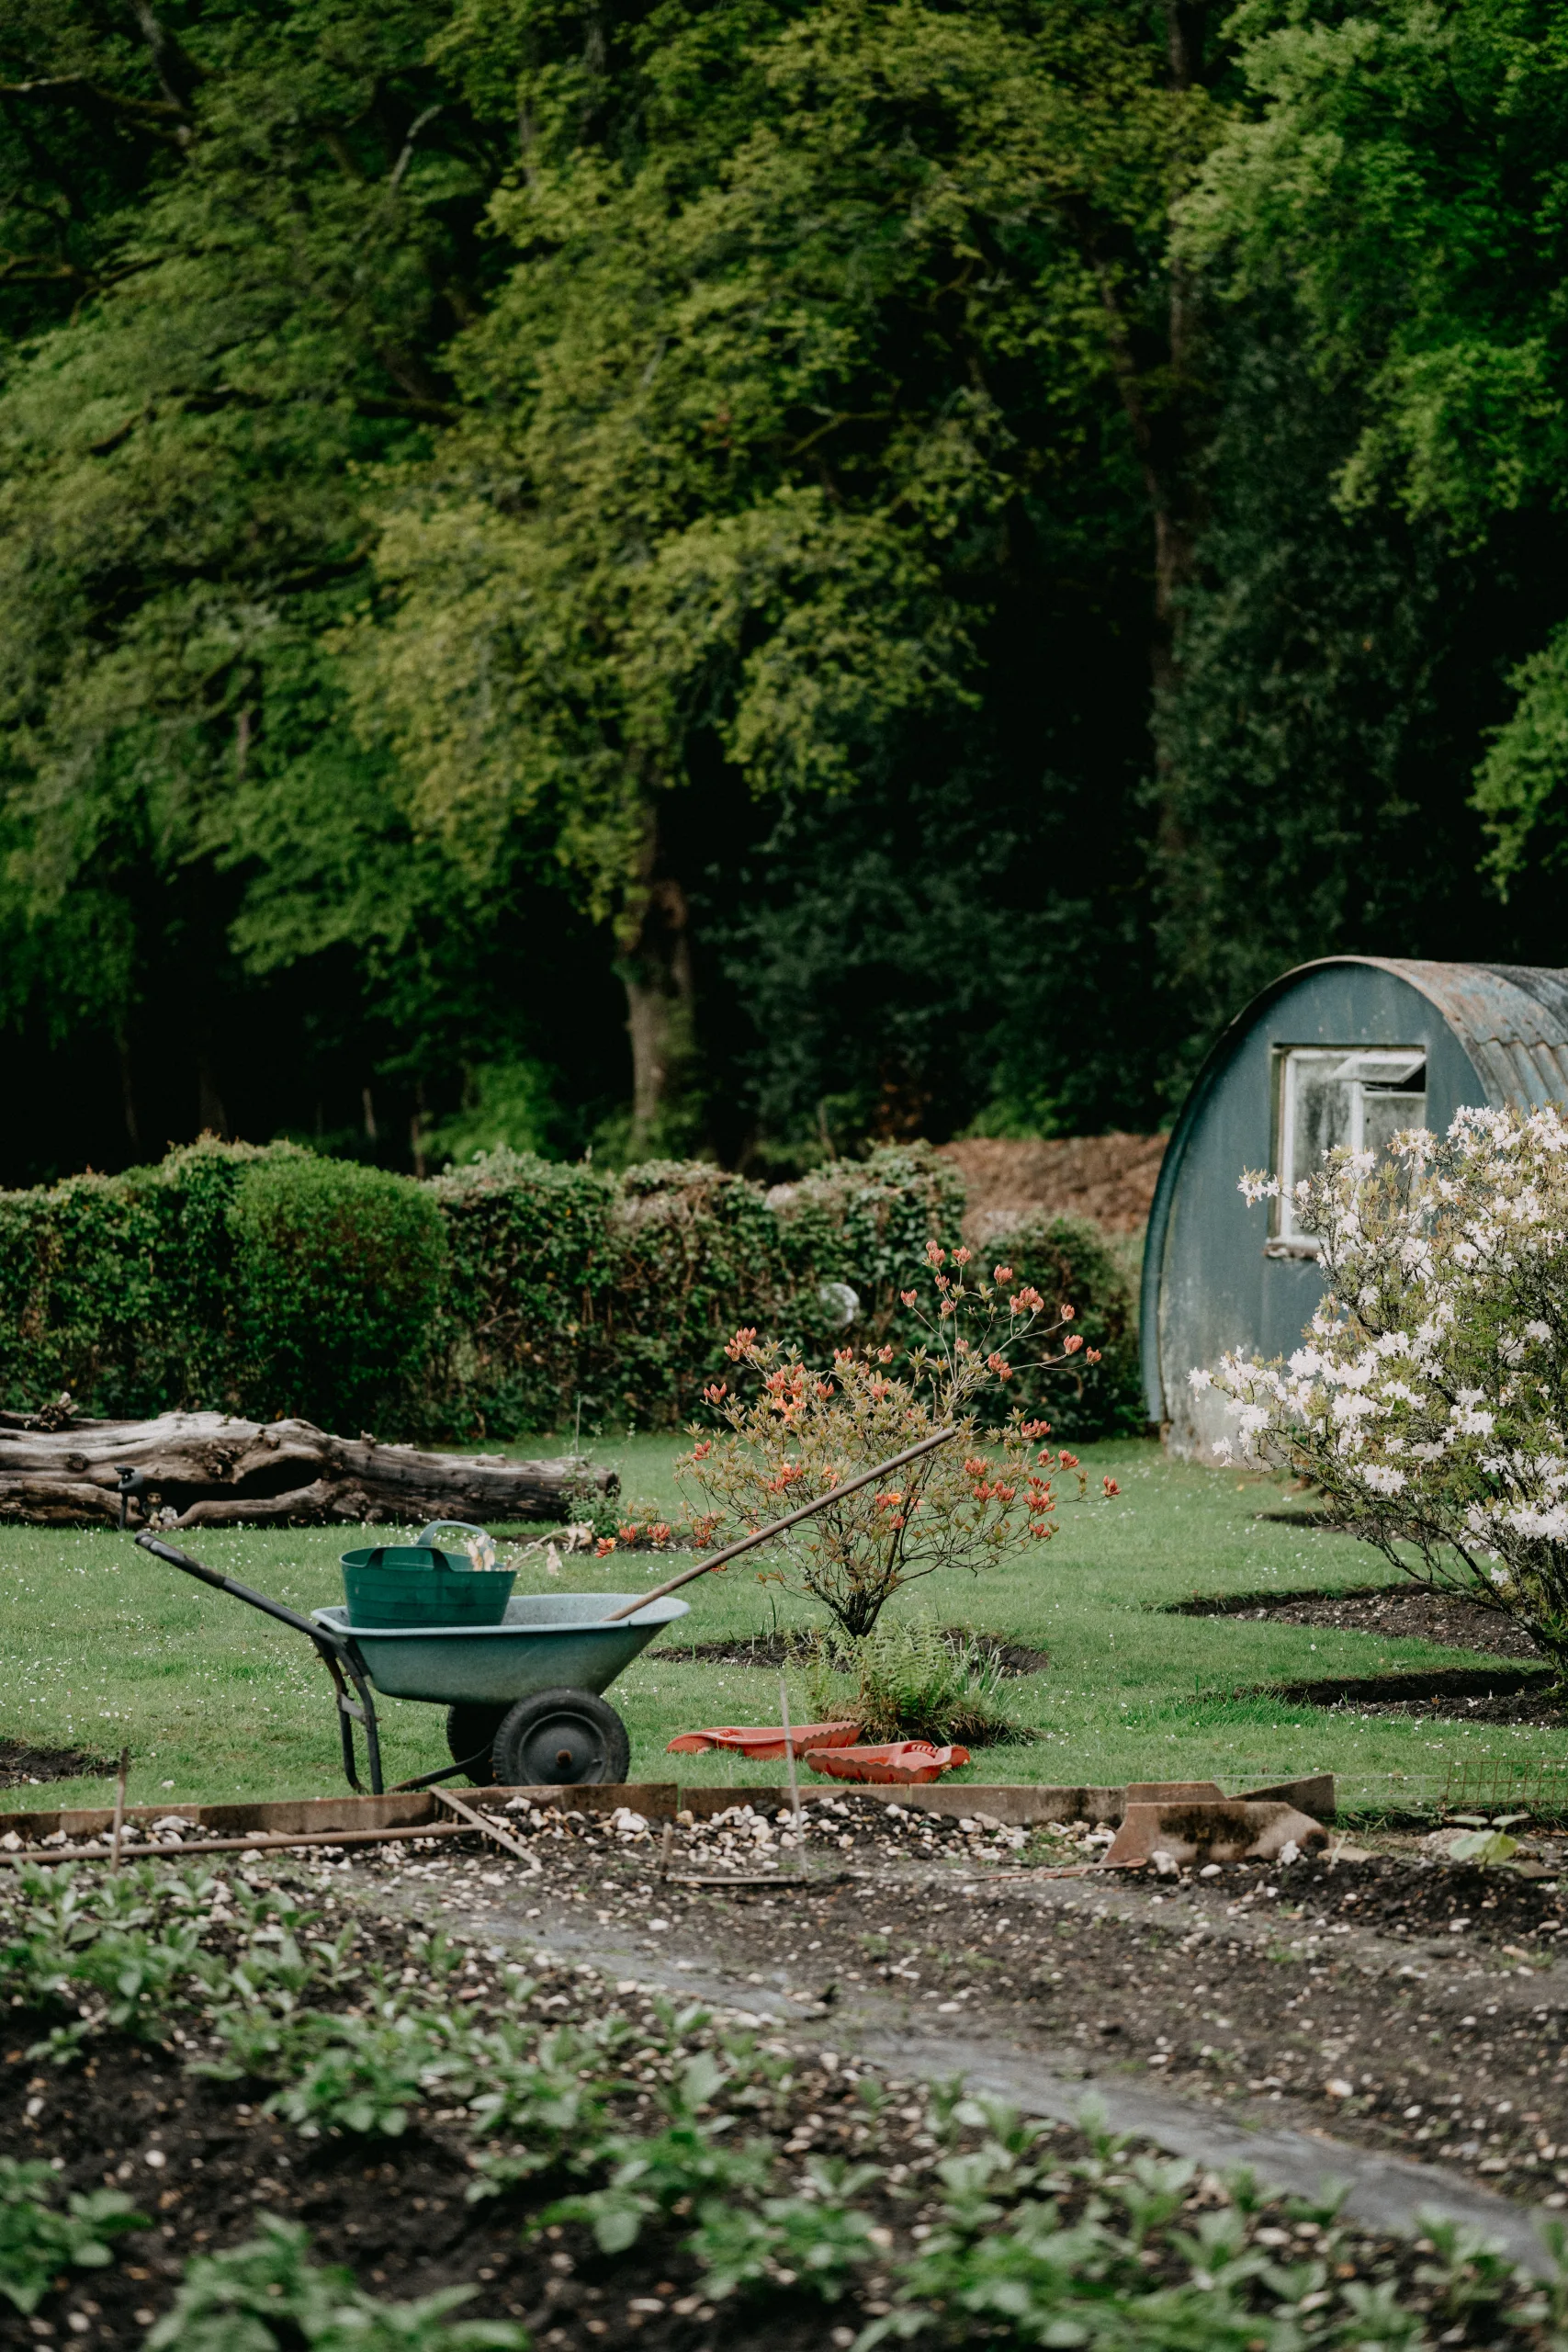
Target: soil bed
[[1383, 1696], [22, 1767], [1374, 2001], [1397, 1613], [778, 1649], [1398, 2032]]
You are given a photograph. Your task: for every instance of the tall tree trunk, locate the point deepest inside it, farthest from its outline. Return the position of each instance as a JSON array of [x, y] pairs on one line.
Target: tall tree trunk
[[1157, 388], [212, 1118], [126, 1086], [657, 972]]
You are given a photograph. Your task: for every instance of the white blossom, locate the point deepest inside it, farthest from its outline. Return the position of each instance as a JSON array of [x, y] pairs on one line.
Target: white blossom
[[1450, 1259]]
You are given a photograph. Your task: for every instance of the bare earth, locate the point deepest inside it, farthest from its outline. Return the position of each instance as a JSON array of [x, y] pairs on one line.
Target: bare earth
[[1108, 1178]]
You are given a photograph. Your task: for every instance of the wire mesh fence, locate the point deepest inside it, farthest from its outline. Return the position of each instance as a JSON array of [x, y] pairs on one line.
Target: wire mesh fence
[[1503, 1784]]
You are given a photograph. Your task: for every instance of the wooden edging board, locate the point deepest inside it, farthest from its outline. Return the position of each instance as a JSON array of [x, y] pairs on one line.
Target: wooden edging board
[[1018, 1804]]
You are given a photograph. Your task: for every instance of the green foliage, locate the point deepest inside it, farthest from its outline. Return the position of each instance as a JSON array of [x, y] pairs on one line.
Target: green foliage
[[774, 531], [1521, 788], [100, 1949], [1402, 172], [352, 2073], [268, 2295], [820, 2237], [499, 1297], [491, 520], [909, 1679], [507, 1106], [1339, 671], [689, 2159], [1392, 188], [1069, 1260], [39, 2237], [569, 1285], [338, 1277]]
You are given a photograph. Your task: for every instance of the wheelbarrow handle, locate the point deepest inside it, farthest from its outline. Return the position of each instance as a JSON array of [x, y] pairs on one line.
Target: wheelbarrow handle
[[340, 1655], [328, 1644]]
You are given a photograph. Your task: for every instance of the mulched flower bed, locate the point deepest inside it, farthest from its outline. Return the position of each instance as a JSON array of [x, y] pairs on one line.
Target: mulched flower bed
[[1530, 1706], [779, 1649], [1396, 1612]]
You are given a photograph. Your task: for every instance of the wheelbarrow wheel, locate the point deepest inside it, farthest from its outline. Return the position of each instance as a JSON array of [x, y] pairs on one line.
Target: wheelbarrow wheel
[[560, 1739], [472, 1727]]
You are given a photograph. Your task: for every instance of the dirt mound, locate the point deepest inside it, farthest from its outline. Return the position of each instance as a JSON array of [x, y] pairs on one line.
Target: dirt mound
[[1108, 1178]]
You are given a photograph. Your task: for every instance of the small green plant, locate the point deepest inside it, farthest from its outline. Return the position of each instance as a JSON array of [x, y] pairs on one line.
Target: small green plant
[[1482, 1846], [909, 1679], [548, 2102], [360, 2075], [819, 2240], [269, 2296], [38, 2238], [687, 2159], [99, 1947]]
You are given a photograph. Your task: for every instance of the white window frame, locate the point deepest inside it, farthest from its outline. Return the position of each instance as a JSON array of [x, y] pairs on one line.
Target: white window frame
[[1390, 1065]]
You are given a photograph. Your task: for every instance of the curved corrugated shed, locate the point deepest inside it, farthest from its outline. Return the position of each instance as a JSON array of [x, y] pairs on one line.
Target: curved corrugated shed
[[1511, 1019], [1493, 1033]]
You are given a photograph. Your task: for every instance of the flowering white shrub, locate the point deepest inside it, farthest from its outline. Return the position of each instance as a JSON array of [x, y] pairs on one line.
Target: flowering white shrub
[[1428, 1402]]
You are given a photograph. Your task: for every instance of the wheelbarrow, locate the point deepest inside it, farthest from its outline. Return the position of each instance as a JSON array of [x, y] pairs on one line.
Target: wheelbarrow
[[524, 1698]]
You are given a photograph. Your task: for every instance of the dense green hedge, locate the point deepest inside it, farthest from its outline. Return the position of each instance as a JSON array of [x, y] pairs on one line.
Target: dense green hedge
[[1067, 1260], [501, 1297]]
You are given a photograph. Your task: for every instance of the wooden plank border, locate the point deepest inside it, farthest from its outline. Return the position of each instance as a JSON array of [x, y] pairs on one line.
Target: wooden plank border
[[1018, 1803]]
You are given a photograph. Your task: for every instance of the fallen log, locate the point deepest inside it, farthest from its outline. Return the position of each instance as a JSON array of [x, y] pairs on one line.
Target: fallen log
[[207, 1470]]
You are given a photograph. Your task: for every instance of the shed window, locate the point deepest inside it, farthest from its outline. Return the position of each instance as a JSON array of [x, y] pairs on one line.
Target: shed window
[[1328, 1095]]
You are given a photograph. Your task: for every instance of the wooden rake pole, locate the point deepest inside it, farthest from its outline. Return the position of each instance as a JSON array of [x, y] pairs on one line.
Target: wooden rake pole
[[118, 1808], [777, 1526]]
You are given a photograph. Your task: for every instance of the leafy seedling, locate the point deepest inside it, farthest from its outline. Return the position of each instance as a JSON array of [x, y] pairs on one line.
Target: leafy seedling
[[38, 2238], [269, 2296]]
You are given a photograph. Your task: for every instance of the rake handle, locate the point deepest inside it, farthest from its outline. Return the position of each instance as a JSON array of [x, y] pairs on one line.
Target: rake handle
[[777, 1526]]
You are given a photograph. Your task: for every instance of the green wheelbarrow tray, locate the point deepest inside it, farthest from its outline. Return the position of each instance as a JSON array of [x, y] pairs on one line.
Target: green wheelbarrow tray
[[546, 1641]]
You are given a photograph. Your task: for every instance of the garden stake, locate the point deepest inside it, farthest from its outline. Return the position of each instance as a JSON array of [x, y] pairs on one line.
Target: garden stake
[[252, 1845], [777, 1526], [489, 1829], [666, 1845], [118, 1808], [789, 1759]]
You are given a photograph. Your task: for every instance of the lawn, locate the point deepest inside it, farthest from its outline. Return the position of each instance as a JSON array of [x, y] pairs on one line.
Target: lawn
[[108, 1648]]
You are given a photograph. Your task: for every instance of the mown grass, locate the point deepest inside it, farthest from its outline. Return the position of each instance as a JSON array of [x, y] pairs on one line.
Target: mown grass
[[106, 1647]]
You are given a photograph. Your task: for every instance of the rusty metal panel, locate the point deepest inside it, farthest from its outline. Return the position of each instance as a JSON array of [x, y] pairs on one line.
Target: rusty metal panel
[[1511, 1019]]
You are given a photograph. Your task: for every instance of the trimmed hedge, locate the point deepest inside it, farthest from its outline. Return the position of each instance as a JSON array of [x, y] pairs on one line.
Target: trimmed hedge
[[496, 1299], [340, 1271], [1067, 1260]]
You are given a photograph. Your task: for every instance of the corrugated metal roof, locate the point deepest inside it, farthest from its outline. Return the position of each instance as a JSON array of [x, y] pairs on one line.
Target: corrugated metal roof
[[1511, 1019]]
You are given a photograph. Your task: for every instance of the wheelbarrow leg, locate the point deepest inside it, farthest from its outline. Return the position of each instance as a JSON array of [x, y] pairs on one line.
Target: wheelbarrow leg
[[360, 1708]]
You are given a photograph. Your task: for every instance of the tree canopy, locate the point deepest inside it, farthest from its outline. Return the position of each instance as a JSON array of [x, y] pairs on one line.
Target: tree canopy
[[755, 576]]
